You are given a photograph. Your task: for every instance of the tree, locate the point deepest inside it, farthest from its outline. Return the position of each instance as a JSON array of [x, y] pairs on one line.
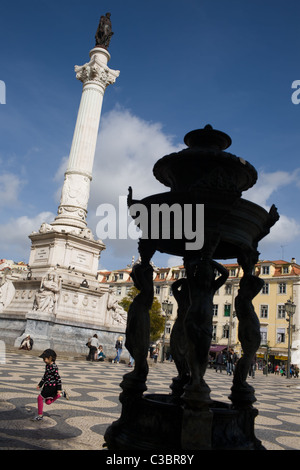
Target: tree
[[157, 321]]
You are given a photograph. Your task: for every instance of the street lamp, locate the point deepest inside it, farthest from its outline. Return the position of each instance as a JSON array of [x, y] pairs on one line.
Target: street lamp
[[290, 309], [167, 307]]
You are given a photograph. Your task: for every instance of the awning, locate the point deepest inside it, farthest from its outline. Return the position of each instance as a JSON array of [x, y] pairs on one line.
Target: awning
[[217, 347]]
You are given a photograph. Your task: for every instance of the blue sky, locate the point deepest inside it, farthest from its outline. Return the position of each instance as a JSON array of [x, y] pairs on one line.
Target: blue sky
[[183, 64]]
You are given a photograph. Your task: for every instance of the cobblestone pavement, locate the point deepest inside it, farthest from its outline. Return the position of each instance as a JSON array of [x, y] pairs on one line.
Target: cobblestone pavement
[[80, 423]]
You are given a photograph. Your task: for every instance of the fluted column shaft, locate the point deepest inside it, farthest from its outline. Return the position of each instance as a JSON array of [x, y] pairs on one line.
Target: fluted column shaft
[[95, 76]]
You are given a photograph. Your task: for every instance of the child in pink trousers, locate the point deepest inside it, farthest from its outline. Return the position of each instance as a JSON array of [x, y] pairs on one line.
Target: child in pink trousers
[[50, 383]]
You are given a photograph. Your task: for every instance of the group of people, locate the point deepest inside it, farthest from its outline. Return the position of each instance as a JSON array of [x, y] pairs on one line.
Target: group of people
[[280, 370], [226, 359], [96, 352]]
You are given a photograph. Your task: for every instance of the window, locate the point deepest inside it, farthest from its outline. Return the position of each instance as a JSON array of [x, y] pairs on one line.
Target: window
[[227, 310], [282, 288], [215, 310], [162, 276], [280, 311], [285, 270], [214, 333], [265, 270], [232, 272], [226, 331], [119, 290], [263, 336], [120, 275], [280, 334], [168, 328], [227, 289], [264, 311], [157, 290], [265, 289]]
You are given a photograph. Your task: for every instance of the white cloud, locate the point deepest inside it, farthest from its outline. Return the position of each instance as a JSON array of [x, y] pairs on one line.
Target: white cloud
[[14, 234], [10, 187], [270, 183], [128, 147], [287, 229], [174, 261]]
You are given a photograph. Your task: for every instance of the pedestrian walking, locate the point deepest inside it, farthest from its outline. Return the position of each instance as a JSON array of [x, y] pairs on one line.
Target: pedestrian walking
[[50, 383], [252, 368], [219, 362], [119, 348], [131, 361], [155, 354], [229, 361]]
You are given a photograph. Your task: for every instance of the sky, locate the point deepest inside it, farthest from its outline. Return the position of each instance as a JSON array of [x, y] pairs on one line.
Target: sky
[[183, 64]]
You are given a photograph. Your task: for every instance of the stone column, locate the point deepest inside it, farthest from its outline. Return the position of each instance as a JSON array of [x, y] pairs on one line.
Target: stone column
[[95, 76]]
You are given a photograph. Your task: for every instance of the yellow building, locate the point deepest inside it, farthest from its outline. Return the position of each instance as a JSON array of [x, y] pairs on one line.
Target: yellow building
[[282, 282]]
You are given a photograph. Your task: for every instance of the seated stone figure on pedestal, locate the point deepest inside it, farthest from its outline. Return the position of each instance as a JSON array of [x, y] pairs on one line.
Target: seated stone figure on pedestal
[[115, 310], [47, 295]]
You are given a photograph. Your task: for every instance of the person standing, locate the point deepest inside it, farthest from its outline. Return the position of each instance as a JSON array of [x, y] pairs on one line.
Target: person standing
[[93, 345], [50, 383], [155, 354], [219, 362], [229, 363], [252, 368], [119, 348]]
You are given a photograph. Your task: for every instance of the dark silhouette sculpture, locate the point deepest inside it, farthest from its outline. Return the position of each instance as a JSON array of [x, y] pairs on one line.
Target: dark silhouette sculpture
[[201, 174], [138, 327], [248, 330], [178, 343], [202, 282], [104, 32]]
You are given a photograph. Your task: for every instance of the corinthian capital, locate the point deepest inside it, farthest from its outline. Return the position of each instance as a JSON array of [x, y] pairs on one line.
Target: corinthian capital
[[95, 71]]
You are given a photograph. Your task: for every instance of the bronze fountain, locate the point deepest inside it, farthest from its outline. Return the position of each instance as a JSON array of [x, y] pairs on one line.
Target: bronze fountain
[[201, 175]]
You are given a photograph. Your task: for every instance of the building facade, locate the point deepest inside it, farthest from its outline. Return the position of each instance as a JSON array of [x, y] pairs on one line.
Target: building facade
[[282, 282]]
